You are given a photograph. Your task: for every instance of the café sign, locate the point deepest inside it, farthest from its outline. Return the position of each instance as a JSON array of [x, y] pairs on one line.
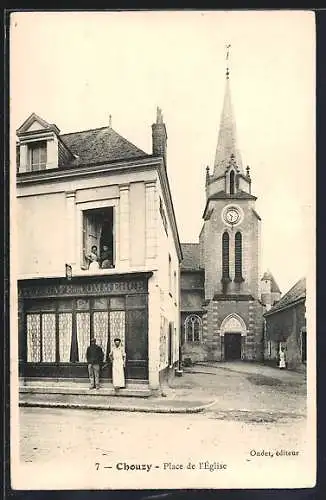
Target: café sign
[[85, 289]]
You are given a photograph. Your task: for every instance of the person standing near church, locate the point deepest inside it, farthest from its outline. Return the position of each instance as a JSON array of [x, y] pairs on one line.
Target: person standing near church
[[118, 359], [282, 363], [94, 357]]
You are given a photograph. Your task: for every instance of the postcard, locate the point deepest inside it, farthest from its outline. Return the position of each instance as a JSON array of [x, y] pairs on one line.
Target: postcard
[[162, 250]]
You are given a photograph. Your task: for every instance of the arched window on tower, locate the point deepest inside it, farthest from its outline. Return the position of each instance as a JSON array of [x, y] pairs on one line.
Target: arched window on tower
[[193, 328], [232, 182], [238, 257], [225, 257]]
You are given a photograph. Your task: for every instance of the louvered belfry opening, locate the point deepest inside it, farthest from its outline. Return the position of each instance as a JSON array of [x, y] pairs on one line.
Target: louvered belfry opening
[[232, 182], [238, 257], [225, 257]]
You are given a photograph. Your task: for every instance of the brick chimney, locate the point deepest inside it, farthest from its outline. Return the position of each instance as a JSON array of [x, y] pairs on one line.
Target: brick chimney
[[159, 136]]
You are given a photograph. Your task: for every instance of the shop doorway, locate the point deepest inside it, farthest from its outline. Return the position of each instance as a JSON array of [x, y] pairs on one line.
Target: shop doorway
[[232, 346]]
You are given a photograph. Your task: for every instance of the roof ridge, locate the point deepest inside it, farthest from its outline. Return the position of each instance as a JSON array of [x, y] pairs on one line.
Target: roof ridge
[[89, 130], [109, 128], [295, 285], [283, 302]]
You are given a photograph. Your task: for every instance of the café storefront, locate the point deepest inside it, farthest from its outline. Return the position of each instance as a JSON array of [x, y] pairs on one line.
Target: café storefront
[[57, 319]]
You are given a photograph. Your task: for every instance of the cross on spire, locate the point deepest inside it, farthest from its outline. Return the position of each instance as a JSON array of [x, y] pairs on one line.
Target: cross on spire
[[227, 58]]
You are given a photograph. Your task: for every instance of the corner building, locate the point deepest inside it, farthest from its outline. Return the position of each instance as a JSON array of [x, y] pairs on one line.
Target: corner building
[[84, 189], [221, 308]]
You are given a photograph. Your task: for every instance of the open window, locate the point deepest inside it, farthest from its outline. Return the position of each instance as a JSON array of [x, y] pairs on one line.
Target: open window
[[98, 239]]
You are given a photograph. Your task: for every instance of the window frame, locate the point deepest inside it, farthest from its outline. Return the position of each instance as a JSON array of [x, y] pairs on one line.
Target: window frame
[[82, 207], [192, 318], [127, 299], [37, 146]]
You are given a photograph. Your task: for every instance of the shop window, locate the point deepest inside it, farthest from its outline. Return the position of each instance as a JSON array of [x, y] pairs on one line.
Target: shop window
[[33, 323], [100, 303], [82, 304], [72, 324], [193, 328], [101, 329], [48, 338], [65, 336], [98, 239], [37, 156], [117, 326], [117, 303], [136, 301]]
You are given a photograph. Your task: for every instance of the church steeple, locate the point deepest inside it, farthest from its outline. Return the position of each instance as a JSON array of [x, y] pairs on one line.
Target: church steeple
[[227, 137]]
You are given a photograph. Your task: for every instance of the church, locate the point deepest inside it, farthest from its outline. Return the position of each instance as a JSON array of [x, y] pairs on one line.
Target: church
[[223, 296]]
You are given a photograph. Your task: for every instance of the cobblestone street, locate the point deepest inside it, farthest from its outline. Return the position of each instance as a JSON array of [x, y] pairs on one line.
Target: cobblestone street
[[245, 386], [252, 427]]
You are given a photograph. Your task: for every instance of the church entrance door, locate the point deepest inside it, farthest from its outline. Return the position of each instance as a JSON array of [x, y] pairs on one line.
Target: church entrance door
[[232, 346]]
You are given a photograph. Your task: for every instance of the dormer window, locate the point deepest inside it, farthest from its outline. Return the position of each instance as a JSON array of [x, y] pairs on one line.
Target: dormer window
[[37, 156]]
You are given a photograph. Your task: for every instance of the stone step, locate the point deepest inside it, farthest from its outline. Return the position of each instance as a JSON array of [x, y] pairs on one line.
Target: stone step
[[129, 391]]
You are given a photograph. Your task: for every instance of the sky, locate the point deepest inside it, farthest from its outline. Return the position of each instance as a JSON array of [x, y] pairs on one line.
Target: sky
[[75, 69]]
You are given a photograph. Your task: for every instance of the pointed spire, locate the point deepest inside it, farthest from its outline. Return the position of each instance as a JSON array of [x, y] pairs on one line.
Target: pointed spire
[[227, 138], [207, 175], [228, 47]]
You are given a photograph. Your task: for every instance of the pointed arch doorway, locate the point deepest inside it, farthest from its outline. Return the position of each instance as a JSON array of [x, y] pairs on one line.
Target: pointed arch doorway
[[233, 332]]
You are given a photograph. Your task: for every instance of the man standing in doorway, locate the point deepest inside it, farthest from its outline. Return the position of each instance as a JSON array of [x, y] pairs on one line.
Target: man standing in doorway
[[94, 356]]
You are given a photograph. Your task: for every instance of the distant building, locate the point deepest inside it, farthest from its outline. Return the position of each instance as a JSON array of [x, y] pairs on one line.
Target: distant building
[[85, 189], [285, 326], [222, 300]]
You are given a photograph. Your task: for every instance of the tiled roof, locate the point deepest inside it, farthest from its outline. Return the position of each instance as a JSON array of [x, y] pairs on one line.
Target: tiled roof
[[99, 145], [297, 292], [274, 286], [190, 253]]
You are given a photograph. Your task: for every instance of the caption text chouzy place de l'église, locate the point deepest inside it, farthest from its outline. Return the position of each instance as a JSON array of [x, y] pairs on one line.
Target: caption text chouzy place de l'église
[[165, 466]]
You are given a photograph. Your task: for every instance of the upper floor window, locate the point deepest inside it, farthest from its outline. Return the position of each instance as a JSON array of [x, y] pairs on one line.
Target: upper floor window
[[37, 156], [193, 328], [98, 239]]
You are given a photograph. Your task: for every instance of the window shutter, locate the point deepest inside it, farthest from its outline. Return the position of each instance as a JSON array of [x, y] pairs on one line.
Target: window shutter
[[84, 239]]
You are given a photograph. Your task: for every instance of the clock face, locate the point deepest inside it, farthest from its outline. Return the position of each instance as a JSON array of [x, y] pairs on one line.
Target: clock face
[[232, 215]]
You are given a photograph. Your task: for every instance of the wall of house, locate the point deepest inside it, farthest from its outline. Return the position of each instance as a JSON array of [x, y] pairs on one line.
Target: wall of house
[[285, 327], [168, 284], [41, 238], [54, 220]]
